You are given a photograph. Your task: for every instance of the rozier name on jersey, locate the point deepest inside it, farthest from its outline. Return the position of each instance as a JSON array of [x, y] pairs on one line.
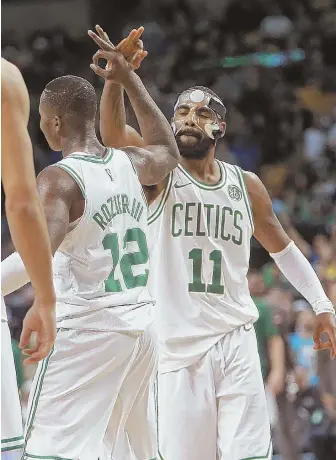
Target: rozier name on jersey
[[218, 222], [116, 205]]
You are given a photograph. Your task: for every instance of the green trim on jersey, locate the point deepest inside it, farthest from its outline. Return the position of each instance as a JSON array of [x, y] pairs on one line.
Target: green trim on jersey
[[268, 456], [74, 175], [93, 158], [163, 200], [203, 185], [45, 457], [130, 159], [245, 194], [12, 444], [37, 392]]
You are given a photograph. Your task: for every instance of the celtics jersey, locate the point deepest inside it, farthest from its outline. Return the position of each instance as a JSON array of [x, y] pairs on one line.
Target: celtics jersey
[[103, 260], [200, 237]]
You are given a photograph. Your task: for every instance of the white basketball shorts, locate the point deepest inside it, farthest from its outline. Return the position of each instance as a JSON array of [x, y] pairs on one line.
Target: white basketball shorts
[[95, 388], [216, 408], [11, 419]]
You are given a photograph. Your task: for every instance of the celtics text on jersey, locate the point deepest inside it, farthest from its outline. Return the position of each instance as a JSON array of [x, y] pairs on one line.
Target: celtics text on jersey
[[200, 238]]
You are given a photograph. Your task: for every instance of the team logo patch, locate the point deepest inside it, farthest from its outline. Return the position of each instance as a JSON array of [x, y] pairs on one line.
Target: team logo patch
[[235, 193]]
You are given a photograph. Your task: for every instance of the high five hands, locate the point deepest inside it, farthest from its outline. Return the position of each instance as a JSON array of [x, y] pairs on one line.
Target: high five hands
[[121, 59]]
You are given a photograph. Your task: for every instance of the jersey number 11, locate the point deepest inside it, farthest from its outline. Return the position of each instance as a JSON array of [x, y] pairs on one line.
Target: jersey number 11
[[215, 287]]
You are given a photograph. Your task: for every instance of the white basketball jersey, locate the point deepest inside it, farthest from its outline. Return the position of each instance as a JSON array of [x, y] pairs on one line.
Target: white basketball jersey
[[103, 261], [200, 240]]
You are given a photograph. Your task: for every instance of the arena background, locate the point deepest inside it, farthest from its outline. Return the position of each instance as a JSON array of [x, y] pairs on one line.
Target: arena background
[[274, 65]]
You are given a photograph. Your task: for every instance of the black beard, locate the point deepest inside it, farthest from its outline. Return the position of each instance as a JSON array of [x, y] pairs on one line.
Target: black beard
[[197, 151]]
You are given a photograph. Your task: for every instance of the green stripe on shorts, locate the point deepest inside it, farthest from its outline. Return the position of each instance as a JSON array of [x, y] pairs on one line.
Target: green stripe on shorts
[[12, 444], [45, 457], [268, 456], [38, 389]]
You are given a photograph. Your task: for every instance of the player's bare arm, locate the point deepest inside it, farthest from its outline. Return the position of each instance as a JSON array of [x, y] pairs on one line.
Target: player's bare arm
[[160, 154], [276, 352], [113, 127], [62, 202], [18, 176], [269, 232], [24, 212]]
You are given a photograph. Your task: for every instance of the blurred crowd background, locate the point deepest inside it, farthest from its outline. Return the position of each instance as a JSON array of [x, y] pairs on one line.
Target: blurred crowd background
[[274, 65]]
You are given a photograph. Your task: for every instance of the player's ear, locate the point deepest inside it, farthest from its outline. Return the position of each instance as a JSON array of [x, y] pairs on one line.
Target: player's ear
[[57, 123]]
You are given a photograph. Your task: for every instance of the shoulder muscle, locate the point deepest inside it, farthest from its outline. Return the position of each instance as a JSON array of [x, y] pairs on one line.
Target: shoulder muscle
[[57, 191], [56, 182]]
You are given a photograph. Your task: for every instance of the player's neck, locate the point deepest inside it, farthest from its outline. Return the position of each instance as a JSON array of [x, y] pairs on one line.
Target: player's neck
[[86, 142], [204, 169]]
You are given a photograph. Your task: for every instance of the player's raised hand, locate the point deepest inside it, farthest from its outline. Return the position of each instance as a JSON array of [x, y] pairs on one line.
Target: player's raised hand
[[103, 35], [118, 69], [41, 320], [130, 47], [325, 323]]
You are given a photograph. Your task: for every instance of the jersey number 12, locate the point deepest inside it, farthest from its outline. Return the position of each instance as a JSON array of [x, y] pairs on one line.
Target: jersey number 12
[[127, 261]]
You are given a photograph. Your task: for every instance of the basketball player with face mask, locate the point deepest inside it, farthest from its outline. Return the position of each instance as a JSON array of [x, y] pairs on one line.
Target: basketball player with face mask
[[211, 399]]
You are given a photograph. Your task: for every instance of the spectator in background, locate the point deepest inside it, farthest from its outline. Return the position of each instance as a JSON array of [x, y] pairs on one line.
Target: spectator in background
[[331, 135], [274, 306], [246, 148], [327, 372], [270, 343], [302, 343], [275, 25], [288, 431], [326, 258], [274, 179], [317, 401], [314, 143], [254, 102]]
